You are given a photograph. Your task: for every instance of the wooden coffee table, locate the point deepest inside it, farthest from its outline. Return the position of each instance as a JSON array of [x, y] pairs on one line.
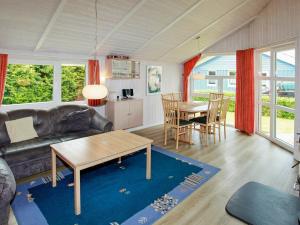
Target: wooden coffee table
[[86, 152]]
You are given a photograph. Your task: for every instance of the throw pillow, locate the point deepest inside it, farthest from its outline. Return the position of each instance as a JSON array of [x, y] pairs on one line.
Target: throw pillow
[[76, 121], [20, 129]]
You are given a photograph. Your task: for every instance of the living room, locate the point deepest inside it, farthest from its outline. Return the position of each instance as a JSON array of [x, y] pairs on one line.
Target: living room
[[149, 112]]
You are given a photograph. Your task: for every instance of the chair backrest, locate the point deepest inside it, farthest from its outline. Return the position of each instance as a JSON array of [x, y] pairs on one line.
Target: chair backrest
[[171, 111], [213, 110], [173, 96], [224, 109], [213, 96], [177, 96], [167, 96]]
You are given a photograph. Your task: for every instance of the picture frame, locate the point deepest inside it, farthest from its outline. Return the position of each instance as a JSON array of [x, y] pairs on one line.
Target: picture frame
[[154, 79]]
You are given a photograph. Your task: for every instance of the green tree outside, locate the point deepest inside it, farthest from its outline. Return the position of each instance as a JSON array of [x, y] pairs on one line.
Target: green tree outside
[[73, 80], [28, 84]]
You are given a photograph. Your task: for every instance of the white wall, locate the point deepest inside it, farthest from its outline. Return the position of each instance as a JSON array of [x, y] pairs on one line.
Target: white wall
[[277, 23], [235, 41], [171, 82]]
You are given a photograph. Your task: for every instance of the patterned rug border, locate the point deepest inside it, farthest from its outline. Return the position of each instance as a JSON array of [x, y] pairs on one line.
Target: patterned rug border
[[28, 213]]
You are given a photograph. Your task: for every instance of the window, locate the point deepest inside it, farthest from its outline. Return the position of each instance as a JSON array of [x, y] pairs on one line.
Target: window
[[232, 80], [73, 81], [211, 83], [223, 70], [28, 83]]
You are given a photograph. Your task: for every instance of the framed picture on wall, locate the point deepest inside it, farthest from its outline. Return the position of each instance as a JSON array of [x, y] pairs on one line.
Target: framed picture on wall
[[154, 75]]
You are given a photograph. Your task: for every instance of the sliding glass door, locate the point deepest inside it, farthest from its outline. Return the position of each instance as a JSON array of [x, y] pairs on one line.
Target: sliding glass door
[[276, 95]]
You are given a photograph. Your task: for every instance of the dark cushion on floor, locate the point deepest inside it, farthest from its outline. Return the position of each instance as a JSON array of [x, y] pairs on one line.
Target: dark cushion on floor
[[201, 119], [255, 203], [74, 135]]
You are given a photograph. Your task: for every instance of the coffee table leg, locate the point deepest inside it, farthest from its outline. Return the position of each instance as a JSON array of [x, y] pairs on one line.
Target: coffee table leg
[[53, 168], [148, 164], [77, 191]]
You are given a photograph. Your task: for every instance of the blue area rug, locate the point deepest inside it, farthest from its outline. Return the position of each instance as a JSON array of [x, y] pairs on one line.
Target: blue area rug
[[113, 193]]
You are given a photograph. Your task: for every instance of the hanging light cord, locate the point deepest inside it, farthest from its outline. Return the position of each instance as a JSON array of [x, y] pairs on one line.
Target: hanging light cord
[[96, 40], [96, 30]]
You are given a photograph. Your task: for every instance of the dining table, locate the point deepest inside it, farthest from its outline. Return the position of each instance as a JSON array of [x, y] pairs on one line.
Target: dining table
[[191, 109]]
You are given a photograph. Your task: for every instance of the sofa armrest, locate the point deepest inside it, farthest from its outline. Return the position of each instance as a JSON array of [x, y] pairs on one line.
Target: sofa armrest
[[7, 190], [100, 123]]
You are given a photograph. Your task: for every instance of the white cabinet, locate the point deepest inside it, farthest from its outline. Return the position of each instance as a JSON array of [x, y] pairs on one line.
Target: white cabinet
[[125, 113]]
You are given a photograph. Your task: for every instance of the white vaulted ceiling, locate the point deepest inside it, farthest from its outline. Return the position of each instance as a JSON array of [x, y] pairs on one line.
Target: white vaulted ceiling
[[164, 30]]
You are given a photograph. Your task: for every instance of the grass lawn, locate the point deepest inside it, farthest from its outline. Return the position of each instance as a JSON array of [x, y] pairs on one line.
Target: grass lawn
[[284, 127]]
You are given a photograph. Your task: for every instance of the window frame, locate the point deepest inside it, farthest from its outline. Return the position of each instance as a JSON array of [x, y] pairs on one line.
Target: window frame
[[56, 95], [272, 78]]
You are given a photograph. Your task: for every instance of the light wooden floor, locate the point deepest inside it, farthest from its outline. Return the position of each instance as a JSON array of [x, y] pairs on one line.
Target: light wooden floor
[[241, 159]]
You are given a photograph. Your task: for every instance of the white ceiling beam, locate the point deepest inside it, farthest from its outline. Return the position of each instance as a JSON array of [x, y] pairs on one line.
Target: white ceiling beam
[[188, 11], [43, 56], [118, 25], [51, 23], [193, 36]]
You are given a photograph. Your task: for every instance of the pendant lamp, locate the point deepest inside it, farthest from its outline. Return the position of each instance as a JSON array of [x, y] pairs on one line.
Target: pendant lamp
[[95, 91]]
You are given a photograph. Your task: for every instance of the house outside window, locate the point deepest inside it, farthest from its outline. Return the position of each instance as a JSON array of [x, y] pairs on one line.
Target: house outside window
[[220, 77], [211, 83], [232, 80]]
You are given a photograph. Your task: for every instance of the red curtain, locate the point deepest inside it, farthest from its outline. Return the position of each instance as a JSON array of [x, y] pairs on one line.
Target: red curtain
[[3, 70], [187, 69], [94, 78], [244, 107]]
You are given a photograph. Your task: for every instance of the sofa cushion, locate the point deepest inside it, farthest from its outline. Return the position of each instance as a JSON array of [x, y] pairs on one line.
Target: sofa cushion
[[57, 114], [76, 121], [21, 129], [81, 134], [24, 146], [41, 120]]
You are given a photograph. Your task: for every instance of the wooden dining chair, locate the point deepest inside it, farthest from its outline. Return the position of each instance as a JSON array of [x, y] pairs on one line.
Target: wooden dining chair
[[213, 96], [172, 121], [177, 96], [167, 96], [221, 118], [209, 121]]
